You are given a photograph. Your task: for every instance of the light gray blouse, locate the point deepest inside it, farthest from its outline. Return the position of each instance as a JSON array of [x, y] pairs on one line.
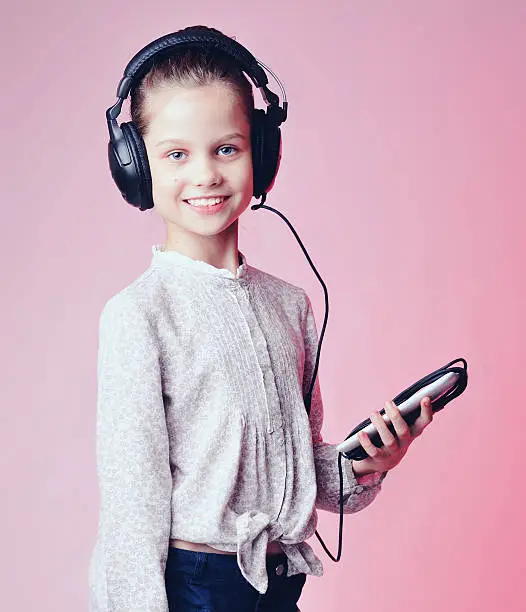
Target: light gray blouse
[[202, 433]]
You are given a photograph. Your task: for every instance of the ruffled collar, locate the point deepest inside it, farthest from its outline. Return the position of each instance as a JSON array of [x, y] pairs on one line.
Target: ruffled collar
[[160, 256]]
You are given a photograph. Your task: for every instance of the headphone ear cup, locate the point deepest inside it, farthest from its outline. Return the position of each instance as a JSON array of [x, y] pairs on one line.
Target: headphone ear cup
[[273, 145], [266, 152], [138, 180], [256, 143]]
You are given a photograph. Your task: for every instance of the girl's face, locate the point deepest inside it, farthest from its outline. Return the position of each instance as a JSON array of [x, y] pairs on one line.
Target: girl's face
[[198, 145]]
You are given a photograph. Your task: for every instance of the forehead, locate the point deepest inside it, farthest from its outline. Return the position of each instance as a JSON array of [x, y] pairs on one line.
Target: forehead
[[194, 110]]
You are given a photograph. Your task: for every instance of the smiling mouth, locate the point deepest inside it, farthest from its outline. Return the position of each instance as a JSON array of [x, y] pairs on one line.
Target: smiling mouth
[[206, 202]]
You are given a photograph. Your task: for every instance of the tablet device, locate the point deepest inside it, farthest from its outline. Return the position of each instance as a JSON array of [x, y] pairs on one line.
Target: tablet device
[[410, 409]]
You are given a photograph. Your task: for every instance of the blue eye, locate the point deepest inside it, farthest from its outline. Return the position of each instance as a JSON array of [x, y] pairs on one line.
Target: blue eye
[[234, 149], [229, 147], [170, 155]]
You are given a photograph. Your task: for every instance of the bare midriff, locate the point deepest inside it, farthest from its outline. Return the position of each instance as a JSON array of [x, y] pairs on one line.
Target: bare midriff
[[272, 549]]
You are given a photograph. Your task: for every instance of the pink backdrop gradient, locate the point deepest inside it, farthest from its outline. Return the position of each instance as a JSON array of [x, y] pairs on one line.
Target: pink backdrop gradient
[[403, 172]]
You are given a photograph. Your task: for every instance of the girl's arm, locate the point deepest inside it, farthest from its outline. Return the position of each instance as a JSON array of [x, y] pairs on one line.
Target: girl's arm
[[132, 465], [357, 492]]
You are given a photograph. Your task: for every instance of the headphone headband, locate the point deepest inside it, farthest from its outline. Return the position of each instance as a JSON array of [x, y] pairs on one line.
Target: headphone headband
[[140, 62], [143, 60]]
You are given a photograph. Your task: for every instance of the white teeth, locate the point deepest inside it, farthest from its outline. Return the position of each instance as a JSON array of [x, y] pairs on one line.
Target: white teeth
[[205, 202]]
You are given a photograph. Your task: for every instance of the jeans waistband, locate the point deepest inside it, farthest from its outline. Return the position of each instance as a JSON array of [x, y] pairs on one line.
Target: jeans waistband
[[193, 561]]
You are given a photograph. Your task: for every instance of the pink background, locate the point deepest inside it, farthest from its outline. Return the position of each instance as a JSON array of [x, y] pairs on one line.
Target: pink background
[[403, 172]]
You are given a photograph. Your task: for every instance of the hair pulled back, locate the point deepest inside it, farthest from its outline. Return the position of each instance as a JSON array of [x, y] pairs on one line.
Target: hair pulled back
[[190, 67]]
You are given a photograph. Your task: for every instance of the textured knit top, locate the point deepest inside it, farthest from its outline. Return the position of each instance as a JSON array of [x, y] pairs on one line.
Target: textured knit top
[[202, 432]]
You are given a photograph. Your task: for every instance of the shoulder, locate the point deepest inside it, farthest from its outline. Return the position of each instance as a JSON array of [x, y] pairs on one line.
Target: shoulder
[[135, 302], [276, 287]]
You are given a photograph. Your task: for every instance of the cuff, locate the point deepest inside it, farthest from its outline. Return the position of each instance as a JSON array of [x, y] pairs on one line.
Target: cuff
[[371, 479]]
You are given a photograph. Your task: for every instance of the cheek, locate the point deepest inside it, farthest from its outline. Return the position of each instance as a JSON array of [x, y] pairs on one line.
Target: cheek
[[163, 178], [245, 174]]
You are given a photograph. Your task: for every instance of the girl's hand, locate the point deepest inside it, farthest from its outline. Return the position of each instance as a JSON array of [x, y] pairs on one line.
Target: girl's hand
[[394, 448]]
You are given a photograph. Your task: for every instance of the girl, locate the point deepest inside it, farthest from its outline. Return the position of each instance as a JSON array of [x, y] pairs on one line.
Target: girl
[[210, 470]]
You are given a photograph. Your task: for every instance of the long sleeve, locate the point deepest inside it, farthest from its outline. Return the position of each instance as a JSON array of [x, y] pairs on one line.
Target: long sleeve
[[356, 496], [133, 467]]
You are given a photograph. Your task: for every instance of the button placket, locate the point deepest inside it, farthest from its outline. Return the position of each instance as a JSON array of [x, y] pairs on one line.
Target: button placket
[[252, 328], [275, 421]]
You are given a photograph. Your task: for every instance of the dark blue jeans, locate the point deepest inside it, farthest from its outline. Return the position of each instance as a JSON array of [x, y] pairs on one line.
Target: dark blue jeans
[[210, 582]]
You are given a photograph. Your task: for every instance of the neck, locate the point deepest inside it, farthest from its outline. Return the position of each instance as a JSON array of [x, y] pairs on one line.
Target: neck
[[219, 250]]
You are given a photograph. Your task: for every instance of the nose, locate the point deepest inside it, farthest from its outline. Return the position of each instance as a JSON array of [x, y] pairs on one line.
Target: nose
[[205, 172]]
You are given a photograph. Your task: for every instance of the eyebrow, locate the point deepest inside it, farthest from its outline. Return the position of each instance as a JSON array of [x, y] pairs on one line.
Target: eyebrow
[[180, 141]]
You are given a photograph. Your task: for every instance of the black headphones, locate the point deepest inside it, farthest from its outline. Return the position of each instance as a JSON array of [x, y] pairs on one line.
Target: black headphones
[[126, 149]]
